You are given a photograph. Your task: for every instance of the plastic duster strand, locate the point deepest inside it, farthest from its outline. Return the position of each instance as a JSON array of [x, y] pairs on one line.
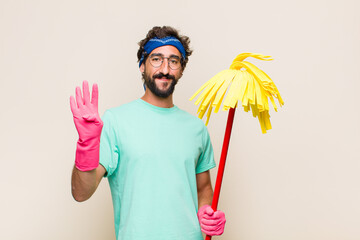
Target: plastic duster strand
[[245, 83]]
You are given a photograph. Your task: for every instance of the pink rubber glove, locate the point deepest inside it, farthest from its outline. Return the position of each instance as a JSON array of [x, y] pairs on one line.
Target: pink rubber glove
[[211, 223], [89, 125]]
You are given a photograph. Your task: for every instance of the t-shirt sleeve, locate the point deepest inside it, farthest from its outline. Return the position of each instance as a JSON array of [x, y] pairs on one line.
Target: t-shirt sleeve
[[206, 160], [109, 151]]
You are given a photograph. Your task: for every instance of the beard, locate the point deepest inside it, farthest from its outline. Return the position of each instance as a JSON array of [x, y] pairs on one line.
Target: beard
[[151, 84]]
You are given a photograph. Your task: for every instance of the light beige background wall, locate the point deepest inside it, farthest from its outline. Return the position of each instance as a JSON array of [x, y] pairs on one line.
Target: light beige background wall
[[299, 181]]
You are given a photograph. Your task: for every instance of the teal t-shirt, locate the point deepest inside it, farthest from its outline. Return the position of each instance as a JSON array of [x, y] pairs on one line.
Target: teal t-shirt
[[152, 156]]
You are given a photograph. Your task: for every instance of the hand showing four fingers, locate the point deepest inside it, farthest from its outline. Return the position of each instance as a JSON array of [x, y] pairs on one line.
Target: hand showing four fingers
[[89, 125]]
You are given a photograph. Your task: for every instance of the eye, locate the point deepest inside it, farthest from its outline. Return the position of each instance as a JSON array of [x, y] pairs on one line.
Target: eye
[[156, 59], [174, 61]]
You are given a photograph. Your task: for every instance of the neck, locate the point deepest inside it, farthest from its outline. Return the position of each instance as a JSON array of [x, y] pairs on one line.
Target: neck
[[149, 97]]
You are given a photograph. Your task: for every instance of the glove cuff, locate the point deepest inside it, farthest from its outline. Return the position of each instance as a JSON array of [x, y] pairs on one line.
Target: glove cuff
[[87, 155]]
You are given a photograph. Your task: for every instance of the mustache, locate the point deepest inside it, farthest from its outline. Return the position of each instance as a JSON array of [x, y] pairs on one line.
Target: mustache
[[161, 75]]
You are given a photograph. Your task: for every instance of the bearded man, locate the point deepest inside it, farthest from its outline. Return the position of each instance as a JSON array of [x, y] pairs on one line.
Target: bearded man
[[155, 156]]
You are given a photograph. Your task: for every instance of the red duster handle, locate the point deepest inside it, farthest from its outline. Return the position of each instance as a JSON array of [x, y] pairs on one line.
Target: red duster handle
[[221, 168]]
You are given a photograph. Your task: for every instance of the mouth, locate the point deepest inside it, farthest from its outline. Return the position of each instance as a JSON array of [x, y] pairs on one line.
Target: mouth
[[163, 79]]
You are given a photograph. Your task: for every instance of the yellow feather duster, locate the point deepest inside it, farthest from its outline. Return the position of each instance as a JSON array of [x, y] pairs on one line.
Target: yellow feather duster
[[248, 84]]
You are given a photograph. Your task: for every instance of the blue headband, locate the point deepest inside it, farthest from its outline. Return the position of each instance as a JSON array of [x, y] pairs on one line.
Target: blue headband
[[159, 42]]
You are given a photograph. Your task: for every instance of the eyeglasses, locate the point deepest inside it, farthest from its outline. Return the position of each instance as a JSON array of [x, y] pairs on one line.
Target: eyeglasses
[[157, 60]]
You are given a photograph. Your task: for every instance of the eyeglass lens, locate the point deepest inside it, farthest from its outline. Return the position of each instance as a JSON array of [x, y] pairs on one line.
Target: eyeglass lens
[[173, 61]]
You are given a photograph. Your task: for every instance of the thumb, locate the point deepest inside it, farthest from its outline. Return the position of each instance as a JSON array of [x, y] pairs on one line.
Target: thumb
[[209, 211], [89, 117]]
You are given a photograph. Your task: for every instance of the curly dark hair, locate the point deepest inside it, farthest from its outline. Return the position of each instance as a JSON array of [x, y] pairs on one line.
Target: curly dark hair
[[161, 32]]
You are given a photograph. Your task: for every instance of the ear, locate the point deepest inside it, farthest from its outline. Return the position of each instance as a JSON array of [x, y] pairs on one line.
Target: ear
[[142, 68]]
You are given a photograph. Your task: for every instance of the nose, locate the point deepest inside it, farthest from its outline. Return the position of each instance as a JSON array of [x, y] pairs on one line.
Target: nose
[[165, 66]]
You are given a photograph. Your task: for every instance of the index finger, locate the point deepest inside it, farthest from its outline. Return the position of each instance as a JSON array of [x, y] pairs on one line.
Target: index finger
[[209, 222], [73, 105]]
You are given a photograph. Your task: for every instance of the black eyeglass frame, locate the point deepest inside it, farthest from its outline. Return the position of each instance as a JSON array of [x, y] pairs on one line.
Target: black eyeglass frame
[[163, 58]]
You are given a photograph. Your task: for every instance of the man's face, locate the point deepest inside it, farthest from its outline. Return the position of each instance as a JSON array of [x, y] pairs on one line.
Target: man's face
[[161, 80]]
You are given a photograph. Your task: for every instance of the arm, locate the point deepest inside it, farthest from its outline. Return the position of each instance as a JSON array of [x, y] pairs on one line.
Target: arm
[[204, 188], [87, 172], [84, 184], [211, 223]]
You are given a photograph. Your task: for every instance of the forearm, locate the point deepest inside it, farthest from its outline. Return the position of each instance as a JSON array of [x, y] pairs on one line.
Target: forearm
[[205, 196], [87, 172], [204, 189], [211, 222], [84, 184]]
